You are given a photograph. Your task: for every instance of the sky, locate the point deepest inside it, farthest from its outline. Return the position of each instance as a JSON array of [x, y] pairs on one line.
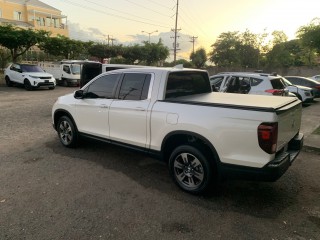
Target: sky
[[124, 20]]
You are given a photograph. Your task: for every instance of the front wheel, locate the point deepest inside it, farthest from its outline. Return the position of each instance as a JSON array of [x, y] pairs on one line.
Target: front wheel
[[67, 132], [8, 82], [27, 85], [190, 169]]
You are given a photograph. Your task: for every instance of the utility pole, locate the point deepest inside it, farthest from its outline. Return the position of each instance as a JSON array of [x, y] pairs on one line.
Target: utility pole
[[193, 39], [175, 34]]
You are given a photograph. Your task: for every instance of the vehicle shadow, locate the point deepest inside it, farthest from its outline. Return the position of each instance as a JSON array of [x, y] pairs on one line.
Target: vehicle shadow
[[263, 200]]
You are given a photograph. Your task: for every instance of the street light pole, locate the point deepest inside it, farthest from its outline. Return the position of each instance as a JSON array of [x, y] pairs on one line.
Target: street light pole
[[149, 33]]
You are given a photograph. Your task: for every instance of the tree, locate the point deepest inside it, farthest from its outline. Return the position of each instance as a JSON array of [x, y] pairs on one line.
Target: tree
[[19, 40], [155, 52], [65, 47], [134, 53], [102, 51], [309, 36], [233, 49], [199, 58], [286, 54]]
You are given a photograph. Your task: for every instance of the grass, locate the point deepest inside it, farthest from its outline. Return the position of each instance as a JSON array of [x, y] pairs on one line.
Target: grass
[[317, 131]]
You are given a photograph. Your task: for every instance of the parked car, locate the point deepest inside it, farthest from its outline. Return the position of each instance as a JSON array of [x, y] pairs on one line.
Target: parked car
[[316, 77], [307, 82], [249, 83], [153, 110], [305, 94], [31, 76]]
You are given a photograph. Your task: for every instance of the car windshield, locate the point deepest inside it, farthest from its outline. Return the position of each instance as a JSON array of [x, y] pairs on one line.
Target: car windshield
[[31, 68], [75, 69]]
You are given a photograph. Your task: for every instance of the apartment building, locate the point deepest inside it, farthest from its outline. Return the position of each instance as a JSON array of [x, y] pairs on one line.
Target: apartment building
[[33, 14]]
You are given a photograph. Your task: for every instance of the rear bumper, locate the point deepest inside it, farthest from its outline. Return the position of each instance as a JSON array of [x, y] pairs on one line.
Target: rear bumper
[[271, 171]]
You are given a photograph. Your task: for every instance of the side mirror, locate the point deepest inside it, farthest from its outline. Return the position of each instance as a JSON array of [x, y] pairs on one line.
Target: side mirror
[[79, 94]]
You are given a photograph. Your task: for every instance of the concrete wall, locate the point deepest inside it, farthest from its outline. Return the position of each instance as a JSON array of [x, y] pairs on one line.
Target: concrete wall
[[292, 71]]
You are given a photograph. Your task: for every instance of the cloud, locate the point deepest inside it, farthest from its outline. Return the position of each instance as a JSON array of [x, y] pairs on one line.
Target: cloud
[[78, 33], [95, 34]]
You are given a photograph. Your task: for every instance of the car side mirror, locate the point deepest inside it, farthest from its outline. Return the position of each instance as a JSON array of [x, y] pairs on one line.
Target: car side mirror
[[79, 94]]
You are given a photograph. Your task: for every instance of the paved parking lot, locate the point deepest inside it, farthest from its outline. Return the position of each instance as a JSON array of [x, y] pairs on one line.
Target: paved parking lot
[[99, 191]]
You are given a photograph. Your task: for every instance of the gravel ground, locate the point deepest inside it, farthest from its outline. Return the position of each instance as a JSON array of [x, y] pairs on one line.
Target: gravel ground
[[99, 191]]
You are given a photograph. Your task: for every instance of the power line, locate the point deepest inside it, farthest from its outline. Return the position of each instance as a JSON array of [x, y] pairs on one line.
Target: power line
[[114, 15], [99, 5], [150, 9]]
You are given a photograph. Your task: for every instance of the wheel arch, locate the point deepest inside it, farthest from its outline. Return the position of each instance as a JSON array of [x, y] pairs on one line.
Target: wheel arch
[[58, 113], [177, 138]]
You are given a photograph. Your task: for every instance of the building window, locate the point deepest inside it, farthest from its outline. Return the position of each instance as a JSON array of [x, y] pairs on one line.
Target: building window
[[17, 15]]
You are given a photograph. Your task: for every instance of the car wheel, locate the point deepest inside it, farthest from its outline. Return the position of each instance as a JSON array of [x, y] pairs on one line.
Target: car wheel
[[51, 88], [67, 132], [8, 81], [65, 83], [190, 169], [27, 85]]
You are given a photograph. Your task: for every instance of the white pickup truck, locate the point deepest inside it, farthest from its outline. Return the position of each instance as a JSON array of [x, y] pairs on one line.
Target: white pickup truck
[[173, 114]]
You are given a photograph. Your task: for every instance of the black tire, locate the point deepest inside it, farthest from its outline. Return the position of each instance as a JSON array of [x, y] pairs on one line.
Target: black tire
[[190, 169], [65, 83], [27, 85], [8, 81], [51, 88], [67, 132]]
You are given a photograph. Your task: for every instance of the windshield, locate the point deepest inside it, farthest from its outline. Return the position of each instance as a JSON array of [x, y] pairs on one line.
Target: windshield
[[31, 68], [75, 69]]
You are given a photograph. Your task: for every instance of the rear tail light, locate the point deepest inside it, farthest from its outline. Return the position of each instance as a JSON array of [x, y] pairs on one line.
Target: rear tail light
[[268, 137], [317, 87], [277, 92]]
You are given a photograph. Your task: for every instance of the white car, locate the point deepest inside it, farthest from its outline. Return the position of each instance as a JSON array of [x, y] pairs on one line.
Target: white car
[[249, 83], [316, 77], [31, 76], [304, 94]]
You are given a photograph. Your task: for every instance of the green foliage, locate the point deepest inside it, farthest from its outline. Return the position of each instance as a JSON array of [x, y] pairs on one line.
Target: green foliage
[[310, 35], [19, 40], [199, 58], [65, 47], [233, 49], [132, 54], [102, 51], [185, 63], [154, 53]]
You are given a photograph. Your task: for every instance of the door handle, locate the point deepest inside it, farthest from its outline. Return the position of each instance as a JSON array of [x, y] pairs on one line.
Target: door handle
[[104, 106]]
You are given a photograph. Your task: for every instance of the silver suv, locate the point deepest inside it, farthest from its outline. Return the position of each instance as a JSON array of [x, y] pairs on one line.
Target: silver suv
[[249, 83]]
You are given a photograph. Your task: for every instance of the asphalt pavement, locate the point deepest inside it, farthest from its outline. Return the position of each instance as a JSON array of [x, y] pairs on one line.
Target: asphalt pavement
[[310, 122]]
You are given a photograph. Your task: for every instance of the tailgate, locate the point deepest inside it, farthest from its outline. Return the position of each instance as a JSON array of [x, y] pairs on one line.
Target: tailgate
[[289, 121]]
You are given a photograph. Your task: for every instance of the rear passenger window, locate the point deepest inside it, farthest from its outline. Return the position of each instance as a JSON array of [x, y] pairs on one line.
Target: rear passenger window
[[277, 83], [135, 86], [255, 81]]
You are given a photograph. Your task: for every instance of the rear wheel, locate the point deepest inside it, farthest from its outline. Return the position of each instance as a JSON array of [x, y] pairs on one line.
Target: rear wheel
[[27, 85], [67, 132], [8, 82], [190, 169]]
